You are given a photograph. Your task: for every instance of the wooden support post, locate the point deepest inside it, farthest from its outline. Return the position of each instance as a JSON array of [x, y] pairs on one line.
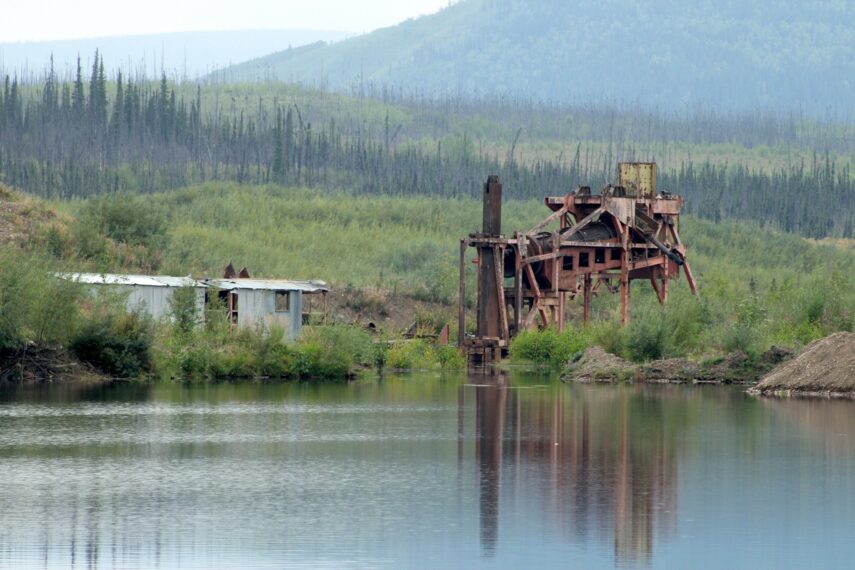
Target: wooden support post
[[556, 248], [461, 296], [518, 284], [326, 305], [498, 262], [586, 299], [656, 288], [561, 311], [624, 279]]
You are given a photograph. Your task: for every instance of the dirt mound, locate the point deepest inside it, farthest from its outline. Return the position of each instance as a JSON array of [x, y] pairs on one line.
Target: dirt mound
[[670, 371], [597, 365], [21, 218], [825, 366]]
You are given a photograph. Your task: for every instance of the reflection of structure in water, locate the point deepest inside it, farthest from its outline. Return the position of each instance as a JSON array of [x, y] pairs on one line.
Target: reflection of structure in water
[[582, 456]]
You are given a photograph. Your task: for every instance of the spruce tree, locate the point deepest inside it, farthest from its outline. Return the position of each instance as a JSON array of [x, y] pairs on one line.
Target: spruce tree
[[98, 94], [118, 107], [78, 98]]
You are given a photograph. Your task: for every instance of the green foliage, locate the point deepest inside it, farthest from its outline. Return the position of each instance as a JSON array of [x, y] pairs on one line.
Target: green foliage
[[416, 354], [184, 310], [332, 352], [548, 346], [449, 358], [125, 218], [34, 305], [115, 341], [219, 351]]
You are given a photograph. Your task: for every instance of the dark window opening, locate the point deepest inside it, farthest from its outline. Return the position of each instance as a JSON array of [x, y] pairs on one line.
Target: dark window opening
[[283, 301], [600, 255], [615, 254], [584, 259], [567, 263]]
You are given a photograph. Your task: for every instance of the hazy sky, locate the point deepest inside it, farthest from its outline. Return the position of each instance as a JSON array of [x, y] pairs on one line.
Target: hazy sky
[[36, 20]]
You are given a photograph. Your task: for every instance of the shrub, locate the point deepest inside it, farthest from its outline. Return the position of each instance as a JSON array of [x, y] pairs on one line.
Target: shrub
[[331, 352], [647, 338], [116, 342], [184, 311], [450, 358], [126, 218], [547, 346], [35, 305], [412, 355]]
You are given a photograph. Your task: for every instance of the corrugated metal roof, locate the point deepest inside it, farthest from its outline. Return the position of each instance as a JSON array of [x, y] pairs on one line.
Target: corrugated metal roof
[[168, 281], [268, 284], [142, 280]]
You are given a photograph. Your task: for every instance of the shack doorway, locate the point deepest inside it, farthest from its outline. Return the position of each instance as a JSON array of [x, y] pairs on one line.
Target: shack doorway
[[229, 299]]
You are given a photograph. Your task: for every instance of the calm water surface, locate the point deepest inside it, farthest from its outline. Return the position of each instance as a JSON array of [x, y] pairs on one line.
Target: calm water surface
[[426, 472]]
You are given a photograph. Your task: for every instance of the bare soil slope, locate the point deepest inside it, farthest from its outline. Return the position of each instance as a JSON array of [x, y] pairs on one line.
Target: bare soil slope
[[825, 367]]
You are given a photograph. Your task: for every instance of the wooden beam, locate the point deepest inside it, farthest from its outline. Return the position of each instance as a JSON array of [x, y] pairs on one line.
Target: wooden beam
[[586, 298], [500, 288], [586, 220], [517, 288], [554, 216], [624, 280], [461, 296], [657, 289]]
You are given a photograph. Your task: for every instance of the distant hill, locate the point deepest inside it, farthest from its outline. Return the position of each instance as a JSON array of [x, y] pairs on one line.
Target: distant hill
[[193, 53], [727, 54]]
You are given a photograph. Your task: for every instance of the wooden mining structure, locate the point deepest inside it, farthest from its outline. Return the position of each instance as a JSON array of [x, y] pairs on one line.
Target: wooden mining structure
[[627, 232]]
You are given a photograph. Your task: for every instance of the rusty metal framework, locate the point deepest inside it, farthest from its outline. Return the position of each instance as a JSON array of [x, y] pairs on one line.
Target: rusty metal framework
[[627, 232]]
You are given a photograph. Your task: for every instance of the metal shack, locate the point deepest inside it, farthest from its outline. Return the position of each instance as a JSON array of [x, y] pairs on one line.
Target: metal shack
[[147, 293], [249, 302], [267, 302]]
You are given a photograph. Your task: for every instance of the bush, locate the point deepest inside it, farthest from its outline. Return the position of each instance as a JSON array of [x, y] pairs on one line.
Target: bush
[[412, 355], [184, 311], [116, 342], [34, 304], [450, 358], [647, 338], [331, 352], [547, 346], [126, 218]]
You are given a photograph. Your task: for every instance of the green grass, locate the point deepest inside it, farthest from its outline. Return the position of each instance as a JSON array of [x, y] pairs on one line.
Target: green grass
[[758, 287]]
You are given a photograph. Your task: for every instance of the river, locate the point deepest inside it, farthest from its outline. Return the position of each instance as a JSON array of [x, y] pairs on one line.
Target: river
[[423, 471]]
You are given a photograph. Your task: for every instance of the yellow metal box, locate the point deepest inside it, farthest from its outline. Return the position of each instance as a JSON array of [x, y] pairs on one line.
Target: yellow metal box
[[639, 178]]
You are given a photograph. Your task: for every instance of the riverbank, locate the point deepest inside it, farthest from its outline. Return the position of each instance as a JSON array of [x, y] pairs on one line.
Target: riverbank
[[825, 367], [597, 365], [32, 365]]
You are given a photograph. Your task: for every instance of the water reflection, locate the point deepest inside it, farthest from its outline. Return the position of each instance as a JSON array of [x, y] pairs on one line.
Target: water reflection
[[602, 461], [423, 471]]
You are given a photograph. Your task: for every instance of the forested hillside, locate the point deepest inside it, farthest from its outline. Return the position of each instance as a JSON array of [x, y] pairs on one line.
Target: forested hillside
[[723, 54], [63, 139]]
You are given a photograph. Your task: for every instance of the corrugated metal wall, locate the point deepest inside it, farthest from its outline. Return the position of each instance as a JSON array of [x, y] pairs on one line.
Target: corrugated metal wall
[[254, 306], [259, 306]]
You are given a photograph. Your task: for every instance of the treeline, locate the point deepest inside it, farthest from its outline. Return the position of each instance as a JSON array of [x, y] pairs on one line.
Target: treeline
[[86, 136]]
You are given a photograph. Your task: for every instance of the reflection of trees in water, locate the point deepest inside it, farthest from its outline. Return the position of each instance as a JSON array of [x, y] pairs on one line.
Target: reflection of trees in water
[[602, 461]]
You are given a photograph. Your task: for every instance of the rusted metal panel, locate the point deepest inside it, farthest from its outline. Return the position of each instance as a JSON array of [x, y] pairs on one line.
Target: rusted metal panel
[[667, 206], [623, 209], [639, 178]]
